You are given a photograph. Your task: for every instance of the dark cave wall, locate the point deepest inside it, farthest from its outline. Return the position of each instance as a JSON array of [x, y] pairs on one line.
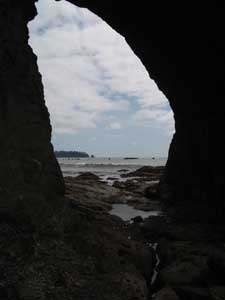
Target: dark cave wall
[[27, 162], [182, 49]]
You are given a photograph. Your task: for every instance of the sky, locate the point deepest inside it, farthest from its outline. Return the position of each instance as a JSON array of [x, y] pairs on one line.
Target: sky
[[99, 95]]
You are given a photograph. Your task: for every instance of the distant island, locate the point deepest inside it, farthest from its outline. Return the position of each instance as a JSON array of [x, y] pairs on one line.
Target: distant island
[[77, 154]]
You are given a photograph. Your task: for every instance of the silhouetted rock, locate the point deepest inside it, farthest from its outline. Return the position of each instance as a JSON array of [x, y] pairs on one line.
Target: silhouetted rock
[[88, 176], [27, 163], [151, 191], [216, 260], [167, 293], [193, 293], [119, 184], [27, 158], [184, 273], [137, 219], [72, 154], [80, 253], [217, 292], [154, 227], [153, 173]]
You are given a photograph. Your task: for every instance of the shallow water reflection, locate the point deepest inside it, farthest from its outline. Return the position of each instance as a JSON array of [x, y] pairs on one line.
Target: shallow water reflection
[[126, 212]]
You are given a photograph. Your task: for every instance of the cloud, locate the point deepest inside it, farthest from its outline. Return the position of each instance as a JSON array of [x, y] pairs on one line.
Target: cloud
[[90, 73], [115, 125], [134, 144], [155, 117]]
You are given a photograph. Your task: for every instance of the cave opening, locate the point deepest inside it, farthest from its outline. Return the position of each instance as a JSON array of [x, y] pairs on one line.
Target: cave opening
[[71, 247], [100, 97]]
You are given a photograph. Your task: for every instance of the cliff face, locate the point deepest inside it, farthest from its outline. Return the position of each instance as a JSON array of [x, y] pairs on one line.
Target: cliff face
[[182, 50], [27, 162]]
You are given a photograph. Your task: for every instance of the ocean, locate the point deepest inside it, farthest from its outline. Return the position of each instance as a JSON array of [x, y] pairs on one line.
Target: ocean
[[106, 167]]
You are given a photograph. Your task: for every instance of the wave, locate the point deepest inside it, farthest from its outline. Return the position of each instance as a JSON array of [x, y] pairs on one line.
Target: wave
[[100, 165]]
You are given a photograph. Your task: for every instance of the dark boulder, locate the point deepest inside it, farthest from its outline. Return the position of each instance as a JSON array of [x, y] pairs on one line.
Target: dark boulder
[[184, 272], [151, 191], [216, 261], [193, 293], [154, 173], [167, 293], [217, 292], [137, 219], [154, 227]]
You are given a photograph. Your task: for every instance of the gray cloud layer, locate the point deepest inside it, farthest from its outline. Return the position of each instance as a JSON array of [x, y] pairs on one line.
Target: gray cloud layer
[[91, 76]]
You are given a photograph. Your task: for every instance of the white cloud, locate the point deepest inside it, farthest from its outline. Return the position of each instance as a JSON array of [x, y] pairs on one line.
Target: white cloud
[[155, 117], [89, 71], [115, 125]]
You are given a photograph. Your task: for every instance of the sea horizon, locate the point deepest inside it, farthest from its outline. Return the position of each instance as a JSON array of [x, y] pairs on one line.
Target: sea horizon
[[106, 166]]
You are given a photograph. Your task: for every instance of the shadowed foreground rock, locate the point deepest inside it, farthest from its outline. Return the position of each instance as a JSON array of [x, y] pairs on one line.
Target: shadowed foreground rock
[[166, 293], [31, 184], [177, 63], [190, 260], [80, 254]]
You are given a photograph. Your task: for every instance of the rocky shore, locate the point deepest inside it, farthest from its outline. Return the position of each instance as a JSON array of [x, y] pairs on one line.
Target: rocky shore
[[84, 252], [189, 256]]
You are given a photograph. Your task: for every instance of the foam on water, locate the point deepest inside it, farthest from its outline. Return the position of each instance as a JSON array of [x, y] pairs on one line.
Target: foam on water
[[104, 167]]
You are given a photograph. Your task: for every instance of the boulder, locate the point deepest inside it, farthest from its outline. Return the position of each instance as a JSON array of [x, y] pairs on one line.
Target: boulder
[[151, 191], [216, 261], [88, 176], [183, 273], [217, 292], [154, 227], [193, 293], [137, 219], [146, 171], [118, 184], [167, 293]]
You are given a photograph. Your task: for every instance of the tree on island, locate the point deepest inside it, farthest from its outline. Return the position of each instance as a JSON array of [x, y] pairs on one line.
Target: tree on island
[[77, 154]]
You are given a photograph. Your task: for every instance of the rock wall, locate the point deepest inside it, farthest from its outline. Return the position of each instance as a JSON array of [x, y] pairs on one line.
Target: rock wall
[[27, 163], [182, 49]]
